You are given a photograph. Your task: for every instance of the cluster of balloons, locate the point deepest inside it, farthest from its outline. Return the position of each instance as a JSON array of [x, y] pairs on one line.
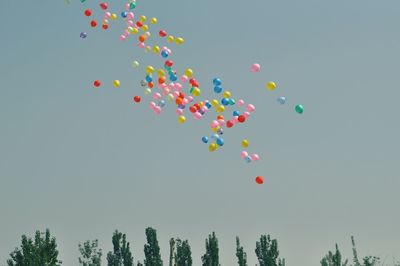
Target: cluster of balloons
[[182, 90]]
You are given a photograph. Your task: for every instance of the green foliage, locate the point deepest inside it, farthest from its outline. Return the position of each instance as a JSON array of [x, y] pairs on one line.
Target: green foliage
[[333, 259], [183, 254], [121, 256], [39, 252], [91, 255], [267, 252], [151, 249], [210, 258], [240, 254]]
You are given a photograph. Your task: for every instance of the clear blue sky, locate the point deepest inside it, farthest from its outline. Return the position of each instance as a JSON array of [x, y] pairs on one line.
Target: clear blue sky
[[84, 162]]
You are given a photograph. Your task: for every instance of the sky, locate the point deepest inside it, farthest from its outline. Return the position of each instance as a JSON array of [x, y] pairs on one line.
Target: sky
[[84, 161]]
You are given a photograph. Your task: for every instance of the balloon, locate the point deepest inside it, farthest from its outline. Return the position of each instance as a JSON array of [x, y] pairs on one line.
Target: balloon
[[236, 113], [157, 110], [247, 159], [227, 94], [246, 114], [250, 108], [143, 83], [97, 83], [153, 20], [255, 157], [196, 92], [220, 131], [204, 139], [232, 101], [104, 6], [189, 73], [217, 81], [240, 102], [164, 54], [162, 33], [212, 147], [299, 109], [93, 23], [135, 64], [170, 38], [245, 143], [161, 103], [136, 99], [122, 37], [225, 101], [220, 109], [132, 5], [88, 12], [83, 35], [282, 100], [229, 124], [255, 68], [179, 41], [179, 111], [217, 89], [116, 83], [259, 180], [271, 86], [105, 26], [147, 91], [157, 96], [142, 18], [241, 118], [243, 154], [114, 16], [182, 119], [220, 142], [149, 69]]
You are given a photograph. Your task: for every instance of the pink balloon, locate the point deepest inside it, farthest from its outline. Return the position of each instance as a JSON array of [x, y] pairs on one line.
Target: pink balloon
[[157, 96], [255, 68], [190, 98], [255, 157], [130, 23], [157, 110], [127, 7], [197, 115], [178, 86], [185, 101], [107, 15], [214, 124], [152, 105], [179, 111], [141, 45], [246, 114], [240, 102], [176, 94], [243, 154], [221, 122], [251, 108], [166, 91], [130, 15], [184, 78], [122, 37]]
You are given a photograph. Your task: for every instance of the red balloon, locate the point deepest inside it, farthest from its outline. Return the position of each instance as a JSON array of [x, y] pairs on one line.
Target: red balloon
[[181, 94], [162, 33], [88, 12], [97, 83], [105, 26], [241, 118], [169, 63], [161, 80], [229, 124], [142, 38], [104, 6], [259, 180], [193, 109], [137, 99], [93, 23], [139, 24], [151, 84]]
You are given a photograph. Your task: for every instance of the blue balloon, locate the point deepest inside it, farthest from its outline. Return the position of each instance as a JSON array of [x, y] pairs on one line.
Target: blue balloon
[[281, 100], [161, 103], [217, 89], [215, 136], [236, 113], [124, 14], [217, 82], [220, 142], [248, 159], [164, 54], [208, 105], [149, 78], [181, 106], [83, 35], [173, 77], [225, 101], [204, 139], [201, 111]]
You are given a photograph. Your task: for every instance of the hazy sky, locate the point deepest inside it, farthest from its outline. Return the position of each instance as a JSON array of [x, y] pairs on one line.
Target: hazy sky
[[84, 162]]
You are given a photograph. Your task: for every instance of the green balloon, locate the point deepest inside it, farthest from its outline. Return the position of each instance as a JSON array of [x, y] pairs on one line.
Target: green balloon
[[132, 5], [299, 109]]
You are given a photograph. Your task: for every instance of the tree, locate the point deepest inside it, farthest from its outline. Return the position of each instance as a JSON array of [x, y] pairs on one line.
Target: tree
[[210, 258], [151, 249], [183, 256], [121, 256], [333, 259], [91, 255], [267, 252], [39, 252], [240, 254]]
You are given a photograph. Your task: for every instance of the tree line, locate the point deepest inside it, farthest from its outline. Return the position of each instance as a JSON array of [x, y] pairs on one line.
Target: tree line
[[42, 251]]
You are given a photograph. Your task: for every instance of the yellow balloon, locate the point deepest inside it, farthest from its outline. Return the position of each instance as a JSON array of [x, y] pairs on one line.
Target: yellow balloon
[[245, 143], [130, 30], [114, 16], [227, 94], [170, 97], [135, 31], [220, 109], [170, 38], [215, 129], [156, 49], [271, 85], [116, 83], [149, 69], [145, 27], [196, 92], [142, 18], [212, 147], [179, 41], [201, 104], [147, 49], [182, 119], [153, 20], [189, 73], [214, 102], [161, 72], [147, 91]]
